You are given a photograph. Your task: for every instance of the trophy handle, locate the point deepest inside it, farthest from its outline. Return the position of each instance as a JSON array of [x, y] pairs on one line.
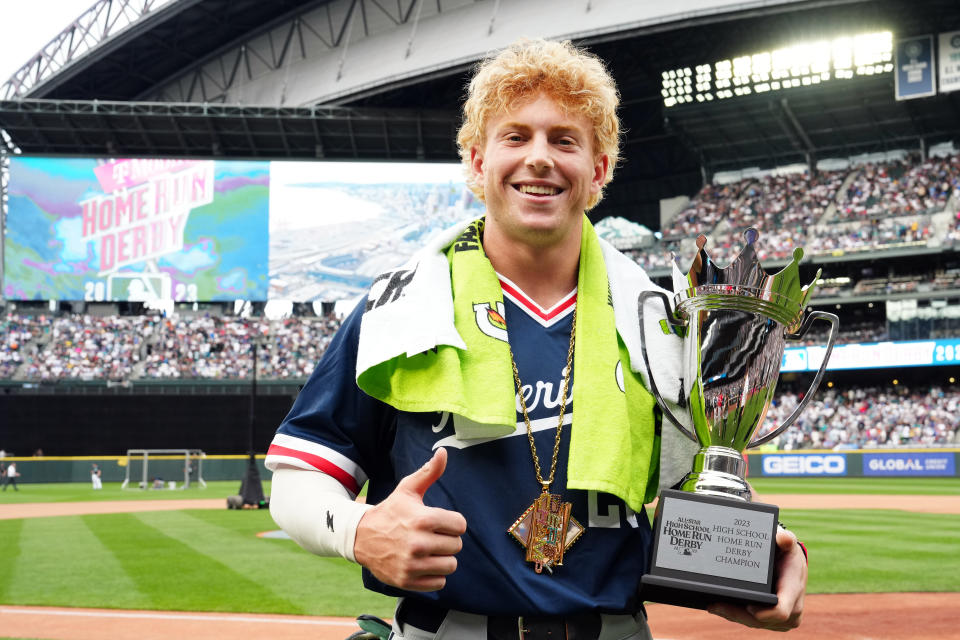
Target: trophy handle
[[808, 321], [672, 319]]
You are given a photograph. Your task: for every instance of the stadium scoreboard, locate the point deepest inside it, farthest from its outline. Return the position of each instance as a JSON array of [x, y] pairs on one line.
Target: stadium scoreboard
[[195, 230]]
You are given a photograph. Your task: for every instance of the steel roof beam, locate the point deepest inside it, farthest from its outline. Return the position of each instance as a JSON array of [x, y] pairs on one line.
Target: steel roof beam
[[104, 21]]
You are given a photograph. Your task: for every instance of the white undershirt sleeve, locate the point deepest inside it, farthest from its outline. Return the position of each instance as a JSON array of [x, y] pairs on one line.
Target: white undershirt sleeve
[[316, 511]]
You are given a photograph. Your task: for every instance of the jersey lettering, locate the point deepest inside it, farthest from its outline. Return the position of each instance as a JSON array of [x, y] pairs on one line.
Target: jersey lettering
[[444, 417], [609, 518], [545, 390]]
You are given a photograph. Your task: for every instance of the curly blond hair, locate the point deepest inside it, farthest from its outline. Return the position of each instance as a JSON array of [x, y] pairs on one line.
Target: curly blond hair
[[576, 79]]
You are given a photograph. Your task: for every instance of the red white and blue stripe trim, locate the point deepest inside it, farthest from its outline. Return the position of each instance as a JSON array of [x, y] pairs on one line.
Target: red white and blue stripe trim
[[546, 317], [304, 454]]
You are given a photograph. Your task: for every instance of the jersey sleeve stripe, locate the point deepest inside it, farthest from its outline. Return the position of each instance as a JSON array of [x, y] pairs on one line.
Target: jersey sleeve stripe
[[276, 453], [323, 451]]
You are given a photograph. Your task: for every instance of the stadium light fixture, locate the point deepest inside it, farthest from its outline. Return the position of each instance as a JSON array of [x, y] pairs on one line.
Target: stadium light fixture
[[842, 53], [820, 57], [801, 64]]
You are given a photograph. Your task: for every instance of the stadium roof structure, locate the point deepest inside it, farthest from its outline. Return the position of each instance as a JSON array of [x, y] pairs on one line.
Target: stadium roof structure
[[118, 49], [139, 129], [94, 105]]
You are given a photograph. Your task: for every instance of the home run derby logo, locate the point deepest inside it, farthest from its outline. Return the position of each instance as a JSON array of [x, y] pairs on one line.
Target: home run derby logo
[[685, 535], [490, 321]]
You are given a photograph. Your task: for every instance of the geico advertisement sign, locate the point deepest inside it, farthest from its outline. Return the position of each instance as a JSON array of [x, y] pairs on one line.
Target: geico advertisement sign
[[805, 465]]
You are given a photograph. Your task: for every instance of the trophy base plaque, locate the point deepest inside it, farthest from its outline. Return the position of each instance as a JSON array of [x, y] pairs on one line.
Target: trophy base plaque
[[709, 549]]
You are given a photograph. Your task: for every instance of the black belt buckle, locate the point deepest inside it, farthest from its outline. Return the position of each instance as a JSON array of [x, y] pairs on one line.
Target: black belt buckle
[[529, 628], [585, 626]]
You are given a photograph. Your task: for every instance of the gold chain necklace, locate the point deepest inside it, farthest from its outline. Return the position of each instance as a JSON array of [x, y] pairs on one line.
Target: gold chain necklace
[[546, 528]]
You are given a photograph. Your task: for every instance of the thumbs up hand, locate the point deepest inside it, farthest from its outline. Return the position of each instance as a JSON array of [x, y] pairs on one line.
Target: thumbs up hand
[[407, 544]]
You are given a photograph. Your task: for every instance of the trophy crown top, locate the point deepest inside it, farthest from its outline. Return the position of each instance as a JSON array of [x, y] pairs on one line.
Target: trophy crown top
[[745, 276]]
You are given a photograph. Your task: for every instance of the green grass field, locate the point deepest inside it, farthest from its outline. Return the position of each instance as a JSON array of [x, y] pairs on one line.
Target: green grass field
[[880, 486], [203, 560], [191, 560], [82, 492]]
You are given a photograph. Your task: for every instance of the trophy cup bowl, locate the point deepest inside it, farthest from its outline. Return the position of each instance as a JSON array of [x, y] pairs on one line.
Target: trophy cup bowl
[[711, 542]]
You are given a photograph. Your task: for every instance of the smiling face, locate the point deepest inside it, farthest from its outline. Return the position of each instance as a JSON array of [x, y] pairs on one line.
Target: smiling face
[[538, 169]]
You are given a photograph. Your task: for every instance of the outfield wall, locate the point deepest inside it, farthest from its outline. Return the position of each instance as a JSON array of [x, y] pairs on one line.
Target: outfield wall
[[763, 464], [854, 463], [77, 468], [71, 424]]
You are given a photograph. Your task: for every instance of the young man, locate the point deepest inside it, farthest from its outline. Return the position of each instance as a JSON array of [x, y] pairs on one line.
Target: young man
[[491, 511]]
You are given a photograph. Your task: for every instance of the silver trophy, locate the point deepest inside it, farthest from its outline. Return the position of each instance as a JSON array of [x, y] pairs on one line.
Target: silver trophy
[[711, 542]]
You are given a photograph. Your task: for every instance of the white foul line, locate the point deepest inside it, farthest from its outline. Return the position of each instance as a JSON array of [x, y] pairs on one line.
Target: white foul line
[[175, 616]]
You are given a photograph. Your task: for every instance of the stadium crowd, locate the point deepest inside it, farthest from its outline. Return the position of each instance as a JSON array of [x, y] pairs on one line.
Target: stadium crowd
[[711, 205], [86, 347], [782, 208], [848, 333], [297, 344], [16, 333], [884, 204], [867, 417], [203, 347], [905, 187], [92, 348]]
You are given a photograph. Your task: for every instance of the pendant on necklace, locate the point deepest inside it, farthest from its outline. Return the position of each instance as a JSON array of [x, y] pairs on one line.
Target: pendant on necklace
[[546, 529]]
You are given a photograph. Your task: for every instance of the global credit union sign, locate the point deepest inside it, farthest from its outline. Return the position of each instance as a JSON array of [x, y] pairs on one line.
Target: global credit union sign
[[909, 464], [811, 464]]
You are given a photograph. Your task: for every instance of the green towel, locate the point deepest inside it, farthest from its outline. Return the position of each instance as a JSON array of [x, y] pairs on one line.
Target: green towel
[[613, 446]]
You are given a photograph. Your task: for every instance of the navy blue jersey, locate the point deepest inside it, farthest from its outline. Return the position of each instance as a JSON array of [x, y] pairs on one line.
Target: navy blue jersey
[[336, 428]]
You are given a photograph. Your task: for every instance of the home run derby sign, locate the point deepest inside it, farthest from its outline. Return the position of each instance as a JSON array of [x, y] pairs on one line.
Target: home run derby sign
[[144, 207]]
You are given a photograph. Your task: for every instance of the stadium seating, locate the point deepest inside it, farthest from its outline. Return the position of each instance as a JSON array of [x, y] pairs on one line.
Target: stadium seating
[[872, 207], [85, 347], [866, 417]]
